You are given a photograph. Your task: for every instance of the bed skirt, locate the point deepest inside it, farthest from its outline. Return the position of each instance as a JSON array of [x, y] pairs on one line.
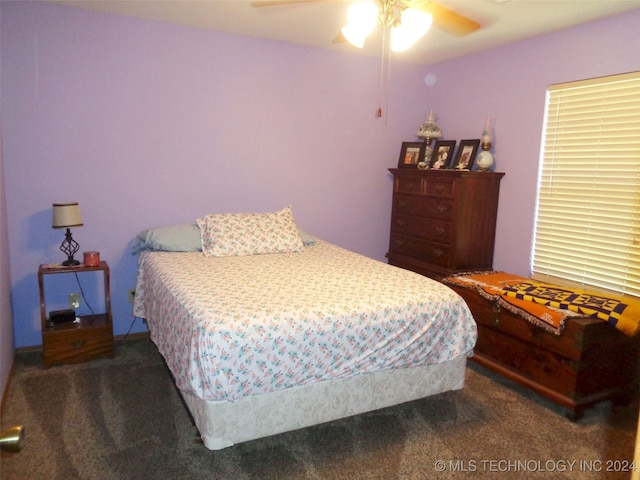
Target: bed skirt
[[222, 424]]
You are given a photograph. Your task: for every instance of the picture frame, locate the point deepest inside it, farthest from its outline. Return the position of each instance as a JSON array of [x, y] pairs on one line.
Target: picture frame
[[410, 154], [466, 154], [442, 154]]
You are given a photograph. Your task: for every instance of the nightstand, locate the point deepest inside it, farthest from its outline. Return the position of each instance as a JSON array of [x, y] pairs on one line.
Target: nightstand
[[75, 342]]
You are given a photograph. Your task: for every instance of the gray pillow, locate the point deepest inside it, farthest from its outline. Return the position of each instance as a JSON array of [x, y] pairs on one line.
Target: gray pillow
[[173, 238]]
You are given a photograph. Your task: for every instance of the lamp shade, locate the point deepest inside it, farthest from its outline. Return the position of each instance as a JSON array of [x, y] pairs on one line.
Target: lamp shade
[[66, 215]]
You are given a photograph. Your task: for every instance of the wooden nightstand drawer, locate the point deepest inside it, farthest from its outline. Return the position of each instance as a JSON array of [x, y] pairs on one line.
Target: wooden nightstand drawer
[[74, 343]]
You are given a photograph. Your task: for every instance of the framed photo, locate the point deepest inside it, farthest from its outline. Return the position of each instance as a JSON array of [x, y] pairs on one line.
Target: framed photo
[[466, 154], [410, 154], [442, 154]]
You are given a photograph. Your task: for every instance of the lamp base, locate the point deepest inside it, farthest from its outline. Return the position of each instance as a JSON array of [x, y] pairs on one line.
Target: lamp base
[[70, 247]]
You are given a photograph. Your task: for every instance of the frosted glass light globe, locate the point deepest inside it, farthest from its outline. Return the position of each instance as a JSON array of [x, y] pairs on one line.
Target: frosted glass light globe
[[484, 160]]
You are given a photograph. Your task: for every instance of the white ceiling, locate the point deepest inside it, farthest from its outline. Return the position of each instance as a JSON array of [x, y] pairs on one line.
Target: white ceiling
[[318, 22]]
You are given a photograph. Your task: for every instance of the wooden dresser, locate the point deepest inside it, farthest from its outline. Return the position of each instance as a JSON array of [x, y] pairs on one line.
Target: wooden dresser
[[443, 221]]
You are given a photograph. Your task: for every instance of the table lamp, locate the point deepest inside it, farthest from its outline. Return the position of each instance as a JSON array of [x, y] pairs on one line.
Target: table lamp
[[67, 215], [428, 131]]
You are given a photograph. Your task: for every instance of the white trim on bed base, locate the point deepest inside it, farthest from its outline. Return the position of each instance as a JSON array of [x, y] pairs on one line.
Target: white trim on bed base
[[223, 424]]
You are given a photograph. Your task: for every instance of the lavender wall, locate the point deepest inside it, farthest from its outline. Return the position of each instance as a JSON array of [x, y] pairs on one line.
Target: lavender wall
[[6, 320], [149, 124], [510, 83]]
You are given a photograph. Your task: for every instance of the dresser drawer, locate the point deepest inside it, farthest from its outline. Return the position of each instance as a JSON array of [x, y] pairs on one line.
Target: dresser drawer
[[442, 187], [413, 247], [424, 206], [426, 228], [408, 185]]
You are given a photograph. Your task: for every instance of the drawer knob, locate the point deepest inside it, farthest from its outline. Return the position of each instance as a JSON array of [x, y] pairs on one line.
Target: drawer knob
[[437, 252], [442, 208], [399, 243], [440, 231], [439, 188], [401, 222]]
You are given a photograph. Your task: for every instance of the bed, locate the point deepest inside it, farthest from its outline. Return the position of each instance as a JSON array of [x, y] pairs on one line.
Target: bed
[[264, 340]]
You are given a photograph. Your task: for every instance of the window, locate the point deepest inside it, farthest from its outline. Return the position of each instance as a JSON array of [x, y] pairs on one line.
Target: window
[[587, 231]]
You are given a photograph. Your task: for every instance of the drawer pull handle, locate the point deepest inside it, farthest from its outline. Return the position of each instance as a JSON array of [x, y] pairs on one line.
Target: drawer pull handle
[[401, 204], [440, 231], [439, 188], [401, 222], [78, 343], [437, 252], [442, 208], [399, 243]]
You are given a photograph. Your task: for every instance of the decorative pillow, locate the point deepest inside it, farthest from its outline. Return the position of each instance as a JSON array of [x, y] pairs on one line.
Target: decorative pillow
[[235, 234], [173, 238]]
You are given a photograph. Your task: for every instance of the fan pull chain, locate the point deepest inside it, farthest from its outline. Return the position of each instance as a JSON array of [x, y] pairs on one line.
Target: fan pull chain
[[384, 76]]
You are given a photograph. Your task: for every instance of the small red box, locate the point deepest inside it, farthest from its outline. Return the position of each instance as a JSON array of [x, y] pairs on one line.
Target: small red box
[[91, 259]]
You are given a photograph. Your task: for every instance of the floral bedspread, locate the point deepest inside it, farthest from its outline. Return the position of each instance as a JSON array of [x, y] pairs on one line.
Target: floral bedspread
[[234, 327]]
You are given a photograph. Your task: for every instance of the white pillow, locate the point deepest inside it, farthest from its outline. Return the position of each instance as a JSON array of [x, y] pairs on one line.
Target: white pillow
[[235, 234]]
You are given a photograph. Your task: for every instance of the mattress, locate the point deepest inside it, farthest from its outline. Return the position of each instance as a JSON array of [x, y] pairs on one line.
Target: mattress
[[232, 328]]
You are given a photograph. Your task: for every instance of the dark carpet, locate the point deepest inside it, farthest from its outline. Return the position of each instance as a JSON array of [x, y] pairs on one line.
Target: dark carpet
[[122, 418]]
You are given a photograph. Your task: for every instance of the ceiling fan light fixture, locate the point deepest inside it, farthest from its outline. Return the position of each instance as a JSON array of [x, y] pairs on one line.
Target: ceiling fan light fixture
[[354, 36], [417, 20], [401, 39], [362, 17], [414, 24]]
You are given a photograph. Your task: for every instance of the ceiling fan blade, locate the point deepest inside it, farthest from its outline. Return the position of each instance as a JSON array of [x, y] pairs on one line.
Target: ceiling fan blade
[[446, 19]]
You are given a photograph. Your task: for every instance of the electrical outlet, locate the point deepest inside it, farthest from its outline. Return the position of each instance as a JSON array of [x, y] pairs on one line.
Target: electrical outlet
[[132, 295], [74, 301]]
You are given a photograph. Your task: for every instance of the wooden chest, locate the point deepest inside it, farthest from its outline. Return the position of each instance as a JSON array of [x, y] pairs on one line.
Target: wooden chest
[[588, 363]]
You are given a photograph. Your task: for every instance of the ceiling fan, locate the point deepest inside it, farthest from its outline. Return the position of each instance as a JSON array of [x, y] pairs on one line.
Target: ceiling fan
[[390, 11], [392, 16]]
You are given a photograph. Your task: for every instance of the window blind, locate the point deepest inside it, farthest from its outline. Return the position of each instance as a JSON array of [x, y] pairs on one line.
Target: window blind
[[587, 231]]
